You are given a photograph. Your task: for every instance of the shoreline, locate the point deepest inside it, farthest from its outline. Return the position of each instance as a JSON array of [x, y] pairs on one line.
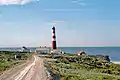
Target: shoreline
[[116, 62]]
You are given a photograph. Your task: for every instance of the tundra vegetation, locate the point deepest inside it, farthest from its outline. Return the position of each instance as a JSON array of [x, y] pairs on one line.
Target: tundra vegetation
[[83, 67], [11, 59]]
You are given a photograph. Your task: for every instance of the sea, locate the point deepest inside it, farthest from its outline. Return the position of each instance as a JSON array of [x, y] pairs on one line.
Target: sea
[[112, 52]]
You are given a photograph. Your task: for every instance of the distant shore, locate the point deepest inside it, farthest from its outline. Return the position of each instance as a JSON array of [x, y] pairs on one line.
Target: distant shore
[[116, 62]]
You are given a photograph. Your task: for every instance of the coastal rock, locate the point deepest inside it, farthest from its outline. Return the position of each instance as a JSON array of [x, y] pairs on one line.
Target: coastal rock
[[103, 57]]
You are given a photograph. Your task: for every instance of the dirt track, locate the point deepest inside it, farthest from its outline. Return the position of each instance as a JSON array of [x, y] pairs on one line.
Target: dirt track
[[33, 71]]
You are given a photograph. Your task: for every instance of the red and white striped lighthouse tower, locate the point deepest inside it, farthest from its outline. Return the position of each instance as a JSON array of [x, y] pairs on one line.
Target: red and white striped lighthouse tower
[[53, 39]]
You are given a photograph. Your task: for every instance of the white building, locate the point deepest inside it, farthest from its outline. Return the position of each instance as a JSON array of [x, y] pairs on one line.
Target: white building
[[56, 51], [43, 50]]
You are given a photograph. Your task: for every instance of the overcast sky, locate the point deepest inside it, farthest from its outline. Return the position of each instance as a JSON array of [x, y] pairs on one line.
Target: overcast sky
[[77, 22]]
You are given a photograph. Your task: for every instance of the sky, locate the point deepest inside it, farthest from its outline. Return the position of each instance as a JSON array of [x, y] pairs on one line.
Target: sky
[[77, 22]]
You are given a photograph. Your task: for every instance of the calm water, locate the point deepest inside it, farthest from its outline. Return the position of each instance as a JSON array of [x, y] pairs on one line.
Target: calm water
[[113, 52]]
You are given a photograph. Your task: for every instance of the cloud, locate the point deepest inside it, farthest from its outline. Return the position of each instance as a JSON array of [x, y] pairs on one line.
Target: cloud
[[65, 10], [75, 1], [80, 2], [59, 21], [56, 22], [17, 2]]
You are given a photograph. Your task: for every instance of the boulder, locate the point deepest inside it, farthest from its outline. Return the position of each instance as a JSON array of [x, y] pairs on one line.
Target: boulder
[[103, 57]]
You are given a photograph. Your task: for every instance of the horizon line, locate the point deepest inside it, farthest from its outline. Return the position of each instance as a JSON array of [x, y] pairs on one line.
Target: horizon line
[[58, 46]]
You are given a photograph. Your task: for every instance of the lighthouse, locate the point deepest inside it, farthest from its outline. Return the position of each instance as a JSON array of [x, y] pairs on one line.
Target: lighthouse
[[53, 39]]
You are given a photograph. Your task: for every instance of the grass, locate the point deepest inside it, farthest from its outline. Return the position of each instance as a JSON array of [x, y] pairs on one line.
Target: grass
[[83, 68], [8, 60]]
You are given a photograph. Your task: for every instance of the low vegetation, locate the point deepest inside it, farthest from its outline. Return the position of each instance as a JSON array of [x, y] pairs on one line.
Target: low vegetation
[[84, 67], [10, 59]]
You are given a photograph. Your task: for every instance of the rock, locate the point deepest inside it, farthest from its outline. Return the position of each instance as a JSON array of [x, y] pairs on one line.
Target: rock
[[102, 57]]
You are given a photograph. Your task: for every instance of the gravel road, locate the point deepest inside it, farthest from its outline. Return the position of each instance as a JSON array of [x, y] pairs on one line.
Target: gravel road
[[33, 71]]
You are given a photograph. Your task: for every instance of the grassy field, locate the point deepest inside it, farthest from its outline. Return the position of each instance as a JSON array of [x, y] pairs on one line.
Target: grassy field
[[11, 59], [83, 68]]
